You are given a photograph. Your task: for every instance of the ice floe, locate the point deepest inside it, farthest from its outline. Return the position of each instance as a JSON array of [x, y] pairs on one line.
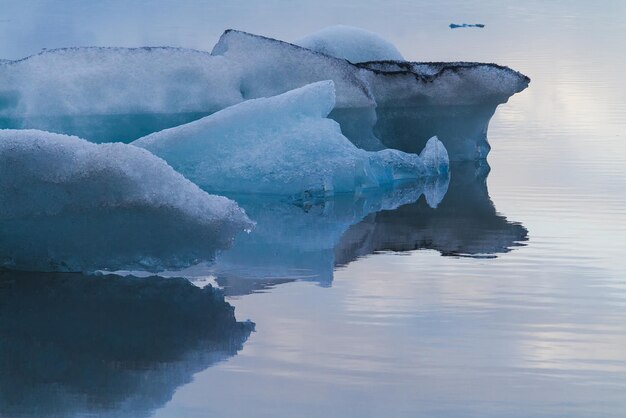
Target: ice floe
[[67, 204], [121, 94]]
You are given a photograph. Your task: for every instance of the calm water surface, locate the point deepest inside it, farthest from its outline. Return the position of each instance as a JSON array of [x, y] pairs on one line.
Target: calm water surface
[[509, 299]]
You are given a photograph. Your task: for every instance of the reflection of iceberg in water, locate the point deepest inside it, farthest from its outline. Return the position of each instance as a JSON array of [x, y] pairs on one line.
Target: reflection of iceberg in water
[[464, 224], [106, 346], [292, 243]]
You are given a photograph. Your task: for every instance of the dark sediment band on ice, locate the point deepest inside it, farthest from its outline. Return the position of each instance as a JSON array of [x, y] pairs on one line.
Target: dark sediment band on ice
[[465, 223]]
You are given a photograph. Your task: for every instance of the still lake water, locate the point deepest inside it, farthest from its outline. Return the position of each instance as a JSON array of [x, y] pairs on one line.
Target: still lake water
[[509, 299]]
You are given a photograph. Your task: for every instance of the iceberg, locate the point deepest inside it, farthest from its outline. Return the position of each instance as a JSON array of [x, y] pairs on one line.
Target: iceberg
[[441, 83], [371, 94], [107, 81], [352, 44], [107, 346], [121, 94], [287, 66], [67, 204], [285, 145]]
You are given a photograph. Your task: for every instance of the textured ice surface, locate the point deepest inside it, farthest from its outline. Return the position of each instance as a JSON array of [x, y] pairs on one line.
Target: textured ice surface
[[74, 345], [271, 65], [107, 81], [353, 44], [284, 145], [107, 94], [424, 94], [67, 204], [441, 83]]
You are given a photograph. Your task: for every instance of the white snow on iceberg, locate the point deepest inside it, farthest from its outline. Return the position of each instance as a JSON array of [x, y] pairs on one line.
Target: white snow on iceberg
[[114, 94], [353, 44], [269, 67], [284, 145], [67, 204]]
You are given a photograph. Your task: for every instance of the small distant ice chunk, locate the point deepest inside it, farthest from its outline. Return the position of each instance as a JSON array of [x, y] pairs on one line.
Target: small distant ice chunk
[[466, 25], [353, 44], [69, 205], [283, 145]]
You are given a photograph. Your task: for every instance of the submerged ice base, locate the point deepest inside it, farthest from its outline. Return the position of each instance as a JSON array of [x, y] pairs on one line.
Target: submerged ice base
[[418, 90]]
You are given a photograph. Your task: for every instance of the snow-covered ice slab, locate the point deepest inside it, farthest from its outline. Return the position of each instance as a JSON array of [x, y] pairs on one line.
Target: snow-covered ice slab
[[69, 205], [108, 94], [350, 43], [286, 145]]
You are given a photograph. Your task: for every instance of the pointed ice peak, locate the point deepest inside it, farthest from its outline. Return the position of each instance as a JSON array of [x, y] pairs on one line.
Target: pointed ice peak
[[435, 156]]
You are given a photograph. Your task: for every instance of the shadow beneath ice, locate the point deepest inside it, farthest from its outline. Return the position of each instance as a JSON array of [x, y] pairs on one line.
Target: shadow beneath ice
[[142, 239], [462, 128], [296, 241], [307, 243], [106, 345]]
